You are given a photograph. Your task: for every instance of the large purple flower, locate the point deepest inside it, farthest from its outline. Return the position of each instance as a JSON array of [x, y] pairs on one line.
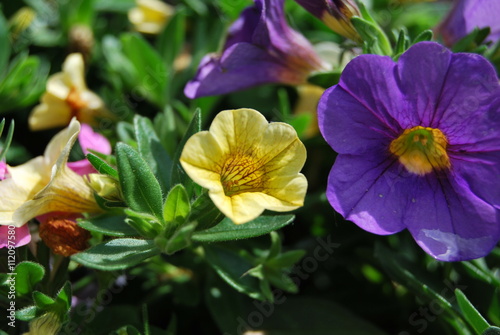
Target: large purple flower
[[260, 48], [469, 14], [419, 148]]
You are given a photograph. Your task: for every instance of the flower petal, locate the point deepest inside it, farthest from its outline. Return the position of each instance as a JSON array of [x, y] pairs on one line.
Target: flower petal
[[51, 113], [73, 69], [22, 236], [441, 221], [366, 190]]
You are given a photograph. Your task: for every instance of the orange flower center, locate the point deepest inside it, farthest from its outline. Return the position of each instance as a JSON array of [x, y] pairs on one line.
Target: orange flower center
[[75, 102], [421, 150], [241, 173]]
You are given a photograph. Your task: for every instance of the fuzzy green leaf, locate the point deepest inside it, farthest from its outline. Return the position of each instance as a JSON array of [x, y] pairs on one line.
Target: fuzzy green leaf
[[28, 275], [116, 254]]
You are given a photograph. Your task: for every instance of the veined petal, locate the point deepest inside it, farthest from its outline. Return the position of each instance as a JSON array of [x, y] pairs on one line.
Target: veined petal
[[66, 192], [247, 164], [59, 147], [23, 183]]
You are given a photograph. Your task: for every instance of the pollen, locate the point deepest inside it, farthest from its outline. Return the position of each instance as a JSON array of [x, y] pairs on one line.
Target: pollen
[[421, 150], [242, 173]]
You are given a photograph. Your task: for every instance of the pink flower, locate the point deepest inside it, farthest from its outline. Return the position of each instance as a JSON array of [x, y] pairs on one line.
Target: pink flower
[[89, 140]]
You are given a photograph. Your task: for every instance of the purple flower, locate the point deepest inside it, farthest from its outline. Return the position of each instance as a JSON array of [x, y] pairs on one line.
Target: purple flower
[[419, 148], [469, 14], [336, 14], [260, 48]]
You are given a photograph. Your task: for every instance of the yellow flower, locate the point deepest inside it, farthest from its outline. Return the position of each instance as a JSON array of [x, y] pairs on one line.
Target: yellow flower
[[307, 103], [247, 164], [45, 184], [67, 96], [47, 324], [150, 16]]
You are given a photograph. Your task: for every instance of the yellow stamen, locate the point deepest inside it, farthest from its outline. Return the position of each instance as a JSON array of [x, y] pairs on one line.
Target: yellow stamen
[[421, 150]]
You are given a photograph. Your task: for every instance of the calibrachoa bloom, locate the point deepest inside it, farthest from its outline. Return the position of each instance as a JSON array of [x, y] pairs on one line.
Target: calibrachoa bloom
[[247, 164], [46, 184], [67, 96], [150, 16], [419, 148], [21, 235], [89, 139], [469, 14], [336, 14], [260, 48]]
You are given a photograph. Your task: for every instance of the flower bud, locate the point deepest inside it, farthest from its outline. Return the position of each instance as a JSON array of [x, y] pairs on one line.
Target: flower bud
[[105, 186]]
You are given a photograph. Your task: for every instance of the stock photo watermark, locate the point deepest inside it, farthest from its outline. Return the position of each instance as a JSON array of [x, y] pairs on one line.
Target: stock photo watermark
[[11, 281]]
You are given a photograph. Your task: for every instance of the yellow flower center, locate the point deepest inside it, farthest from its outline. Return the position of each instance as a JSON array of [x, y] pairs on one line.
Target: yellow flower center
[[421, 150], [242, 173]]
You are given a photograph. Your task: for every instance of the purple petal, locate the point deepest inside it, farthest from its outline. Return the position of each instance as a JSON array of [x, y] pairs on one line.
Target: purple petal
[[21, 234], [469, 14], [450, 222], [243, 29], [365, 189], [242, 66], [422, 73]]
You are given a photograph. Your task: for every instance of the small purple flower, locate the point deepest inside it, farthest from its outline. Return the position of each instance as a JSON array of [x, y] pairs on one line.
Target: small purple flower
[[336, 14], [260, 48], [469, 14], [419, 148], [89, 139]]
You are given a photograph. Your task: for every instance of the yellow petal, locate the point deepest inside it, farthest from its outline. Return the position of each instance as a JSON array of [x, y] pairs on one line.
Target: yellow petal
[[66, 192], [23, 183], [51, 113], [150, 16], [74, 69], [247, 164]]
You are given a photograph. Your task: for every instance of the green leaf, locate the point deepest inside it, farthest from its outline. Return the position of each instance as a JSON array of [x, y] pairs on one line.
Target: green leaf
[[8, 140], [28, 313], [374, 38], [177, 206], [179, 240], [171, 40], [426, 35], [227, 230], [145, 224], [325, 79], [108, 225], [150, 73], [204, 211], [178, 175], [116, 254], [126, 330], [152, 151], [42, 301], [231, 267], [473, 317], [29, 274], [491, 331], [139, 185], [287, 259], [102, 166], [4, 43]]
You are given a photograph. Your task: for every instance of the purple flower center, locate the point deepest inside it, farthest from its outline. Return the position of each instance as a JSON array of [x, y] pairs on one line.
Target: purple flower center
[[421, 150]]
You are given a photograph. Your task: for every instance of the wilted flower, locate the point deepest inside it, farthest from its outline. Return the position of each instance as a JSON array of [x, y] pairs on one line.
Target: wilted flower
[[419, 148], [260, 48], [336, 14], [18, 236], [469, 14], [89, 139], [150, 16], [247, 164], [67, 96], [61, 233], [46, 184]]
